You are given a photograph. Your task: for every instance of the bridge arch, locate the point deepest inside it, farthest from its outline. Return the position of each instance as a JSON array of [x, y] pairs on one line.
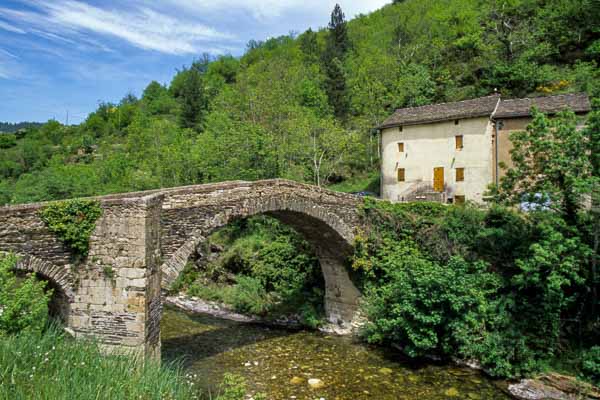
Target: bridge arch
[[323, 218], [59, 279]]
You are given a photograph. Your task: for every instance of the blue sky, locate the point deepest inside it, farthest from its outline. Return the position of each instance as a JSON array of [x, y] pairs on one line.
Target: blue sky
[[67, 55]]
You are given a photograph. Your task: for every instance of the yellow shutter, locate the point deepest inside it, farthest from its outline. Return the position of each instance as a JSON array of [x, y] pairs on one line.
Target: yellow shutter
[[460, 174], [401, 147], [438, 179], [401, 175], [459, 200], [459, 142]]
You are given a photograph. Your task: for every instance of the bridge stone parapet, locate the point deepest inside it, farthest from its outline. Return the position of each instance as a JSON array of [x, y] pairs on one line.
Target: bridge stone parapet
[[143, 240]]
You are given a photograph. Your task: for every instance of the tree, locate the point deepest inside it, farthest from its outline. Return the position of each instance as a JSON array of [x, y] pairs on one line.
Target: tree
[[156, 100], [552, 166], [335, 53], [310, 47], [188, 88], [592, 132]]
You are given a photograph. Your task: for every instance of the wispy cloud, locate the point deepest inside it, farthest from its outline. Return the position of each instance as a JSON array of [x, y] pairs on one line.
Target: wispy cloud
[[10, 28], [141, 27], [265, 9]]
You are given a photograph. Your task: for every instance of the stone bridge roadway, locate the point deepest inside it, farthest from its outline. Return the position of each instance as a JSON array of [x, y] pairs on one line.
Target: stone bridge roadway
[[144, 239]]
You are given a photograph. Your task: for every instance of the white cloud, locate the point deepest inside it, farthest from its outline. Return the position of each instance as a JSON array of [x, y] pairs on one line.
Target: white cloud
[[265, 9], [141, 27], [10, 28]]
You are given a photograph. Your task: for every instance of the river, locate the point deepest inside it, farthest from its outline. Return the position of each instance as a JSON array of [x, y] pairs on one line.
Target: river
[[279, 363]]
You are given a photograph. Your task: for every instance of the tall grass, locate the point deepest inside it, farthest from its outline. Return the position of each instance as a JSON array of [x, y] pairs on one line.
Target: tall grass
[[52, 366]]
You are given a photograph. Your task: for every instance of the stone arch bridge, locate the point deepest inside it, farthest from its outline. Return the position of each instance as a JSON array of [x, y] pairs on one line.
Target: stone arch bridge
[[143, 240]]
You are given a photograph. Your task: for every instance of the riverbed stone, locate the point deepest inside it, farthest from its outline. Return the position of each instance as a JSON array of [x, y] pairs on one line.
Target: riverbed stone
[[296, 380], [315, 383]]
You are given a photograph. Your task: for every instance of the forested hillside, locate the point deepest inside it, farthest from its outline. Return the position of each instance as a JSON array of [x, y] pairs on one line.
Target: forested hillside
[[305, 107], [8, 127]]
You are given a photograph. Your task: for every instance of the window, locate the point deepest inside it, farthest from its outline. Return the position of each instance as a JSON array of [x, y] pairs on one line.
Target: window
[[400, 128], [460, 174], [459, 142], [459, 199], [455, 122], [401, 175], [401, 147]]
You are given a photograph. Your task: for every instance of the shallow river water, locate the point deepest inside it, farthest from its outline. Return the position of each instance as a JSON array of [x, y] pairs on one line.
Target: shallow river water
[[279, 363]]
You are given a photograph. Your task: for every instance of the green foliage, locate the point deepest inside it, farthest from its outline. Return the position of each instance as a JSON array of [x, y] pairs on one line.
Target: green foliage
[[73, 221], [591, 364], [233, 387], [493, 285], [552, 166], [267, 269], [7, 141], [23, 303], [51, 366]]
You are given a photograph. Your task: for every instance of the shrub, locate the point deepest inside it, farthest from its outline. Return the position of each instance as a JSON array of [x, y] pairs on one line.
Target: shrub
[[495, 285], [23, 304], [73, 221], [426, 307], [250, 296], [591, 364]]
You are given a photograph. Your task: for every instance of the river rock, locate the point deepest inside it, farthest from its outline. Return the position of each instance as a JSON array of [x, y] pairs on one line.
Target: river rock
[[296, 380], [386, 371], [553, 387], [316, 383], [451, 392]]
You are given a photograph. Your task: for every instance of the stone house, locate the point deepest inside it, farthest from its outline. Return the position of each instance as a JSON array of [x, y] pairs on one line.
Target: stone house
[[451, 152]]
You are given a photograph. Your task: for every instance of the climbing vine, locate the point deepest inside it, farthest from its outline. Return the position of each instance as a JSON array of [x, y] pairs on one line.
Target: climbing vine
[[73, 221]]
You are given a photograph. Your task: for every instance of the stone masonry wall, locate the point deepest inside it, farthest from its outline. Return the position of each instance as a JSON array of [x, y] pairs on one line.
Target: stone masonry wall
[[144, 239]]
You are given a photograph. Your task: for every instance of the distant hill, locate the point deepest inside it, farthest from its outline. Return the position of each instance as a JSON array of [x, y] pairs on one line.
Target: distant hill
[[8, 127]]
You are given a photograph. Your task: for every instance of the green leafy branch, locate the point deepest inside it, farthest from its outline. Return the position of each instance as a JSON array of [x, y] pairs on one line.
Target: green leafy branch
[[73, 221]]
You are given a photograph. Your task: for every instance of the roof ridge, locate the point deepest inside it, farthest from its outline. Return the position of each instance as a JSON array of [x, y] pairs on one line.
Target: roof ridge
[[449, 102], [547, 96]]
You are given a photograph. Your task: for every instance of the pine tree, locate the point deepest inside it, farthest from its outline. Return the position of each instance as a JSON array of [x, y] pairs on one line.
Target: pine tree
[[338, 45], [192, 99], [338, 42]]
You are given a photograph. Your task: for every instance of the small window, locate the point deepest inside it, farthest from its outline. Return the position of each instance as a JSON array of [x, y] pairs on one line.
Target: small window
[[459, 142], [401, 175], [455, 122], [460, 174], [401, 147], [459, 199], [400, 128]]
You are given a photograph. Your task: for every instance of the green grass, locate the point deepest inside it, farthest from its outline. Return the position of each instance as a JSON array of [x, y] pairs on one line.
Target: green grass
[[360, 183], [53, 366]]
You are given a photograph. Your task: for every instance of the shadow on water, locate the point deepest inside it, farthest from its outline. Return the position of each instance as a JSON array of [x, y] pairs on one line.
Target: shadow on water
[[190, 338]]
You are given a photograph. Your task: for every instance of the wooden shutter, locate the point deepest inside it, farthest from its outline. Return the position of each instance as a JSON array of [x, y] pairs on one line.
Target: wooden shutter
[[459, 200], [459, 142], [460, 174], [401, 175], [438, 179], [401, 147]]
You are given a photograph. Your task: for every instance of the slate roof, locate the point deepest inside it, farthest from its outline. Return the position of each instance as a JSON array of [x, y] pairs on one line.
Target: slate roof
[[577, 102], [490, 106], [480, 107]]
